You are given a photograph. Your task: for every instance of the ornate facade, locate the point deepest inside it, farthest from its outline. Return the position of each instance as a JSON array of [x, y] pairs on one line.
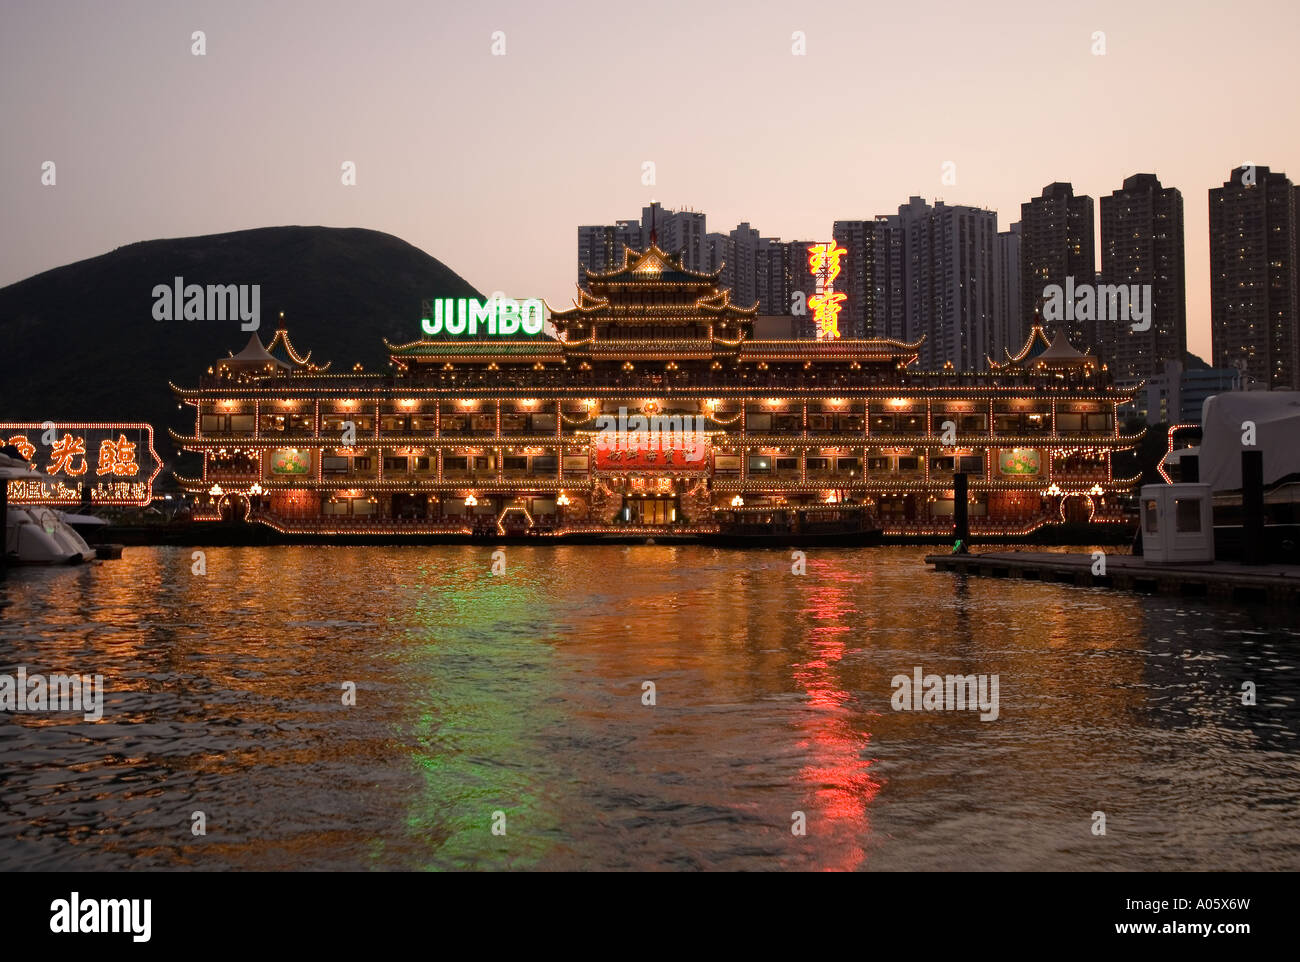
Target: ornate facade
[[653, 407]]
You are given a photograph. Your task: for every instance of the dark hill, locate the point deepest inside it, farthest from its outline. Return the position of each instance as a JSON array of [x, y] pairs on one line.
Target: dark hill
[[81, 344]]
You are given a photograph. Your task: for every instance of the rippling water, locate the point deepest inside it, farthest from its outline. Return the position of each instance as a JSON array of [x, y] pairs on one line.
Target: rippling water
[[522, 694]]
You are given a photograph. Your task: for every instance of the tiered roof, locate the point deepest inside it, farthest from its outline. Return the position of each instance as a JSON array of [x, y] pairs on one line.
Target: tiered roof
[[1043, 352], [256, 358]]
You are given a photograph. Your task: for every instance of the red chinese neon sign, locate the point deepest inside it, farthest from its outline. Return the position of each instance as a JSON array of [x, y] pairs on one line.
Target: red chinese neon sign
[[116, 462], [652, 451]]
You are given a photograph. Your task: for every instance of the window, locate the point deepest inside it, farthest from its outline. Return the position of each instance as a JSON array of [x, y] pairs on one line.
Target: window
[[545, 464], [331, 465], [971, 464], [877, 464], [1187, 514], [909, 464], [395, 464], [1151, 515], [453, 463], [482, 464], [512, 463], [241, 423], [759, 464], [362, 464], [787, 464], [215, 423], [818, 464], [422, 464], [848, 464], [1098, 422]]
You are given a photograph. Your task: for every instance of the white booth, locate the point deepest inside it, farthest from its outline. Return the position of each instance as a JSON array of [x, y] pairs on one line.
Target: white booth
[[1177, 523]]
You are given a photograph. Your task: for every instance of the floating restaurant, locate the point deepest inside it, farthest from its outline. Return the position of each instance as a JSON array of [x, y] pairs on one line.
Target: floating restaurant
[[650, 407]]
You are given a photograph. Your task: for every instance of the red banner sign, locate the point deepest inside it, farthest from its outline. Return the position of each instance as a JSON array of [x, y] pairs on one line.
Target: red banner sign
[[652, 451]]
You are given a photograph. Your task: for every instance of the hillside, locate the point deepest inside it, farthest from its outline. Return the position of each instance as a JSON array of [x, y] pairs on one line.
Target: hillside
[[81, 343]]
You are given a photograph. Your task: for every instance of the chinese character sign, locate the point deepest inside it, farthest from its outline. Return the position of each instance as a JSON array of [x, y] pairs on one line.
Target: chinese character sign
[[116, 462], [685, 452], [824, 265]]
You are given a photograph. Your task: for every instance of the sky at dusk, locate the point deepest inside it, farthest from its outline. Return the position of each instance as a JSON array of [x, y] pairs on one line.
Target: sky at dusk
[[490, 163]]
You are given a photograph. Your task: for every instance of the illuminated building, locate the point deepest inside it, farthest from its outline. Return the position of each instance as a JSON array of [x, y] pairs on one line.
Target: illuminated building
[[654, 409], [1255, 277], [1056, 243]]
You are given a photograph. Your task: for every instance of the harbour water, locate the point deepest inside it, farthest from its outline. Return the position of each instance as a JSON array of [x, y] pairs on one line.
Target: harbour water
[[518, 700]]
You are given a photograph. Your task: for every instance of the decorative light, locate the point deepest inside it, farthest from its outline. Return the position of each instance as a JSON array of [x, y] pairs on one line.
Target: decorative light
[[562, 500], [737, 502], [216, 491], [471, 501]]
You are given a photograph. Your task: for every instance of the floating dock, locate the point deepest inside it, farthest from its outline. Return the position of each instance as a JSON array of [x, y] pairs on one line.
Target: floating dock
[[1220, 579]]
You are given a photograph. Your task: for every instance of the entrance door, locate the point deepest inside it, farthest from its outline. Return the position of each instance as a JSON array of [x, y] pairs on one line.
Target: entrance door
[[650, 511]]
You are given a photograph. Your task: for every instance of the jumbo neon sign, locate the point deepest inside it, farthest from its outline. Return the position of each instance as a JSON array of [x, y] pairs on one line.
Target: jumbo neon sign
[[499, 317]]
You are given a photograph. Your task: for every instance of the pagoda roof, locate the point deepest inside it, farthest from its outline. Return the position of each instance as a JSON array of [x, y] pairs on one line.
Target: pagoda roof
[[717, 303], [1062, 350], [541, 348], [1035, 344], [255, 352], [652, 266], [1042, 351], [812, 350]]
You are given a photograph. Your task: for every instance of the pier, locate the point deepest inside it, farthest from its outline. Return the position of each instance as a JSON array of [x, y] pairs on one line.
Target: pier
[[1221, 579]]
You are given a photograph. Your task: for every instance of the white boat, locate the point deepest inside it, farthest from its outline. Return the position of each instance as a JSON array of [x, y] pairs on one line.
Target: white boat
[[35, 534]]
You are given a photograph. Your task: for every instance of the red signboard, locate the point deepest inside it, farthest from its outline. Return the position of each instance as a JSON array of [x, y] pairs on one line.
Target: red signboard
[[652, 451], [116, 462]]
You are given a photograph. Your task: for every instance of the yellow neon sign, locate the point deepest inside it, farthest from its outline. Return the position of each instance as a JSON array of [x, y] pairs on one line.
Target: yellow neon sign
[[824, 265]]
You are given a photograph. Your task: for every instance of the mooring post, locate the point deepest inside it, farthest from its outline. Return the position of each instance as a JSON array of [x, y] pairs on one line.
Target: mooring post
[[960, 519], [1252, 507]]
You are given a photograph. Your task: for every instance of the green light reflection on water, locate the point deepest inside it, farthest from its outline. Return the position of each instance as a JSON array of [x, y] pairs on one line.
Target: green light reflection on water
[[476, 743]]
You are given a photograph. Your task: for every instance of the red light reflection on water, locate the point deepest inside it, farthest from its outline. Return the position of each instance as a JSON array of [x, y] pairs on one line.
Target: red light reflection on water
[[837, 774]]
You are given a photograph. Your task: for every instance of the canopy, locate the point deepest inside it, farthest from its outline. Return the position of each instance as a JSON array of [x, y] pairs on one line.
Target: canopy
[[1276, 419]]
